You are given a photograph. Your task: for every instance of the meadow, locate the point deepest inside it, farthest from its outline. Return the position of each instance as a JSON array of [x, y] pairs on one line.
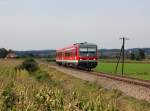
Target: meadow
[[50, 90], [140, 70]]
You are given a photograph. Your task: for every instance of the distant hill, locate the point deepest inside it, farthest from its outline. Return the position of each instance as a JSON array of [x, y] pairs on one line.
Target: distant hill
[[36, 53], [102, 52], [115, 52]]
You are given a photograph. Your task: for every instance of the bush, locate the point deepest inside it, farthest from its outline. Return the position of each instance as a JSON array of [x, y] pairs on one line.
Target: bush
[[30, 65], [3, 53]]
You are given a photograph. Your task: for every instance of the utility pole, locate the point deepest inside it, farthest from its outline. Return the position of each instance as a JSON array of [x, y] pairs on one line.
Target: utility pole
[[122, 52], [123, 55]]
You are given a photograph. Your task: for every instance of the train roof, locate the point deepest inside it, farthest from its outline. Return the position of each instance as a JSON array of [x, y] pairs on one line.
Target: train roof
[[78, 44], [85, 43]]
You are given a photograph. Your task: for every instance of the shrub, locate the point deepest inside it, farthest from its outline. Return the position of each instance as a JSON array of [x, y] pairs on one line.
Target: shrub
[[30, 65]]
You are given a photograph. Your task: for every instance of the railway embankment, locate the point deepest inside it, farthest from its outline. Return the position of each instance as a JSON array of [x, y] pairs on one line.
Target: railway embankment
[[129, 89]]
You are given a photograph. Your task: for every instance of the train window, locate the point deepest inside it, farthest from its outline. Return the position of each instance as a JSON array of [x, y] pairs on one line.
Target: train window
[[88, 51], [83, 49], [66, 54], [69, 53], [72, 52], [59, 54], [91, 49]]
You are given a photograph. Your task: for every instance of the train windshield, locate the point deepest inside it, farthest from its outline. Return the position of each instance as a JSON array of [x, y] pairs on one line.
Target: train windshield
[[90, 51]]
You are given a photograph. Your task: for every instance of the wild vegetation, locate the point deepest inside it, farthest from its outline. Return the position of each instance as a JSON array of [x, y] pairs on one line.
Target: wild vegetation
[[47, 89], [29, 64]]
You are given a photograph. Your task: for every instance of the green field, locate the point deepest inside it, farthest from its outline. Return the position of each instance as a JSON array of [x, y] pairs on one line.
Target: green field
[[136, 70]]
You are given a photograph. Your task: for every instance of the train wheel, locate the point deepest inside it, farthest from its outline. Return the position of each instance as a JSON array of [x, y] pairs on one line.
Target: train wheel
[[89, 69]]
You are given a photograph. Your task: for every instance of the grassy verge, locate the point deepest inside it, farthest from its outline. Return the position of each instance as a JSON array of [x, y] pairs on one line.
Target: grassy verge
[[50, 90]]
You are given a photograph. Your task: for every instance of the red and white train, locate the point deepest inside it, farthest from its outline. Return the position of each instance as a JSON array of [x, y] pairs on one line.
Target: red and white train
[[80, 55]]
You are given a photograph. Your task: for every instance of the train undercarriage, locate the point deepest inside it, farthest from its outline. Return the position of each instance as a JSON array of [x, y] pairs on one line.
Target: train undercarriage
[[87, 65]]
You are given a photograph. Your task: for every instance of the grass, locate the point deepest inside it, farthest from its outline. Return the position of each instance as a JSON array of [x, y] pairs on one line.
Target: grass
[[50, 90], [114, 60], [136, 70]]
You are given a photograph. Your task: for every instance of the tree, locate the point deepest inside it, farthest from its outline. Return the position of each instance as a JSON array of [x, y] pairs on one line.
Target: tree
[[142, 54], [10, 51], [3, 53], [132, 56]]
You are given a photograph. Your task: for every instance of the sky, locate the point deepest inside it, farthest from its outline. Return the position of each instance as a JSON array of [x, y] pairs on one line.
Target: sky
[[52, 24]]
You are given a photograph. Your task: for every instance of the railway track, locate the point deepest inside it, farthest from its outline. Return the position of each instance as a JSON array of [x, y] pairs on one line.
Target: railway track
[[129, 80], [125, 79]]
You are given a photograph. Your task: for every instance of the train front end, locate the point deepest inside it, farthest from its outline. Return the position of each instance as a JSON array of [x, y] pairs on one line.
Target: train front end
[[88, 55]]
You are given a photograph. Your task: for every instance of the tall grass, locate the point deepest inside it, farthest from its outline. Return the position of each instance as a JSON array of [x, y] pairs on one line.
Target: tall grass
[[21, 91], [50, 90]]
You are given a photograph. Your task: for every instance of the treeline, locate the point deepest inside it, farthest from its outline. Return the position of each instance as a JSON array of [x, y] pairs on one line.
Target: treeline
[[4, 52], [36, 53], [138, 54]]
